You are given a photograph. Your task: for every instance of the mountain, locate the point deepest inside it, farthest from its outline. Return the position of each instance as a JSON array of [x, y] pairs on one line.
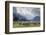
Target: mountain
[[22, 18], [37, 18], [19, 17]]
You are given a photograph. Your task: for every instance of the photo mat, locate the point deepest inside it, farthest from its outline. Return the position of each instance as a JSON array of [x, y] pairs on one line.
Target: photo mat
[[17, 24]]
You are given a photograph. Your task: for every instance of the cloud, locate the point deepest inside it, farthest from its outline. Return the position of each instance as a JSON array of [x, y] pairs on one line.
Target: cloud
[[36, 11]]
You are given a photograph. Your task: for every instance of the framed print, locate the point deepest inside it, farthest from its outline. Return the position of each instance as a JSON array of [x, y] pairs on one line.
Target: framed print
[[24, 17]]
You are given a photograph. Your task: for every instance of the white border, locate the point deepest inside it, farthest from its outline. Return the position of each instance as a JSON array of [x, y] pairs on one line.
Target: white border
[[11, 29]]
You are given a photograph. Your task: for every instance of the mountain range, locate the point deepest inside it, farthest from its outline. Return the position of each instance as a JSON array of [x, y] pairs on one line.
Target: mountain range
[[22, 18]]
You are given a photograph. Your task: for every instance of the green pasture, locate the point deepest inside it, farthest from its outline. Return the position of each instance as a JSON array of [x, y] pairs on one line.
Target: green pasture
[[16, 24]]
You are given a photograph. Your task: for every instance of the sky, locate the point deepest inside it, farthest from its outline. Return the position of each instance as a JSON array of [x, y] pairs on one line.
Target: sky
[[28, 12]]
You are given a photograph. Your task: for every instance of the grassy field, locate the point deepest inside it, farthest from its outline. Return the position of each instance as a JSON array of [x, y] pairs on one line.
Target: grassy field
[[29, 24]]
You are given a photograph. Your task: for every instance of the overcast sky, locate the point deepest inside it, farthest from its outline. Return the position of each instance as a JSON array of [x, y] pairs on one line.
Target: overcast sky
[[27, 12]]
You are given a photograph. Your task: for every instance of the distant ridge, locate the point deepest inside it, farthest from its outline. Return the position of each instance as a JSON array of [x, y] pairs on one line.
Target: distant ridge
[[37, 18]]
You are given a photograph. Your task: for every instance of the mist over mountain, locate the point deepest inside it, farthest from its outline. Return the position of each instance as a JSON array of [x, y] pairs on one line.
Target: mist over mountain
[[22, 18], [26, 14]]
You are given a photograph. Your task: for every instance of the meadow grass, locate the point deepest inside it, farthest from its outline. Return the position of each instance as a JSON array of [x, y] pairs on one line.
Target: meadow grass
[[18, 25]]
